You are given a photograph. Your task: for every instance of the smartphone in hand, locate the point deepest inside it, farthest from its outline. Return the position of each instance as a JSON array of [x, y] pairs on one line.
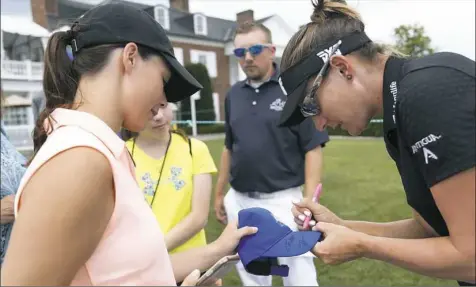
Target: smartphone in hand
[[218, 270]]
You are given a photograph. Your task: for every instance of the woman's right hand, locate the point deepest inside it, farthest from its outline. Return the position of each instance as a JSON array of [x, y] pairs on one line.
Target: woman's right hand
[[320, 213]]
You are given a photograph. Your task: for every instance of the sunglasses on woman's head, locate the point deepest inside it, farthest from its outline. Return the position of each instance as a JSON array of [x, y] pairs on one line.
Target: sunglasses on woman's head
[[254, 50], [310, 106]]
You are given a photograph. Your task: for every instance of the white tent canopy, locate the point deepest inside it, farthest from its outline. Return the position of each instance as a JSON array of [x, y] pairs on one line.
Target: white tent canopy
[[22, 26]]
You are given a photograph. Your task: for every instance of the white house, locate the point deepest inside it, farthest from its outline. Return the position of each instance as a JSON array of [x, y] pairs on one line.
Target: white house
[[22, 43]]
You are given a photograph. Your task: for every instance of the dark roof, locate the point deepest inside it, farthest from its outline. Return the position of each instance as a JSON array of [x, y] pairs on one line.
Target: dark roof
[[68, 11], [181, 23], [134, 4], [75, 4]]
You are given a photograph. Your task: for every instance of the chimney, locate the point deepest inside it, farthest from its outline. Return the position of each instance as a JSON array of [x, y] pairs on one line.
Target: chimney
[[181, 5], [40, 9], [244, 16]]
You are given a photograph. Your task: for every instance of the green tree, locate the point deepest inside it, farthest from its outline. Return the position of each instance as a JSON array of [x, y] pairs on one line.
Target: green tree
[[413, 41], [204, 106]]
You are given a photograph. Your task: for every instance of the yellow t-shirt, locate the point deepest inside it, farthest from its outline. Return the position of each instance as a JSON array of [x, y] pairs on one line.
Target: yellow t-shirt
[[173, 201]]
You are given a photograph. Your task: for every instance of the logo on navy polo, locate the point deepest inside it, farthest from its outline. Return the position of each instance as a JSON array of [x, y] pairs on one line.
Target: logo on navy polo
[[277, 105]]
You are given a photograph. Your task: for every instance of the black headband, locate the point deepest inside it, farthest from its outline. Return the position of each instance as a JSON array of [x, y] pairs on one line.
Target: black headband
[[312, 63]]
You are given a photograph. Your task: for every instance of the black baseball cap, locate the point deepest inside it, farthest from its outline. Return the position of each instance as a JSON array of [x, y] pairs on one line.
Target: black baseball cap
[[293, 81], [121, 23]]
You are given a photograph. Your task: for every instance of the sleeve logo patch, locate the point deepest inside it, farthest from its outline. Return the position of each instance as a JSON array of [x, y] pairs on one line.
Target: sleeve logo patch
[[427, 153]]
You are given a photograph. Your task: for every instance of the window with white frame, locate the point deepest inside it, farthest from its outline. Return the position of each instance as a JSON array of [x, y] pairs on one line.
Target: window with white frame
[[179, 54], [207, 58], [161, 15], [16, 115], [200, 24]]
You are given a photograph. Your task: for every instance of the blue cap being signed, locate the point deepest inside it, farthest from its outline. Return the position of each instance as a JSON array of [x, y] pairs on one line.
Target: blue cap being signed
[[259, 252]]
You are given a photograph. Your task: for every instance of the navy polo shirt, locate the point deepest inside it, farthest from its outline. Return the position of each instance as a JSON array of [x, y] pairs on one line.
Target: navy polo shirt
[[264, 157]]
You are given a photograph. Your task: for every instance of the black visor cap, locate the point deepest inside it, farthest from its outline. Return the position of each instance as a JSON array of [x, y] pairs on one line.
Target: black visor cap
[[294, 80], [121, 23], [291, 114]]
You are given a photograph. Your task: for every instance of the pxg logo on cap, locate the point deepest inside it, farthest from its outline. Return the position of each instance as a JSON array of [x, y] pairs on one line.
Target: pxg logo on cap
[[259, 252]]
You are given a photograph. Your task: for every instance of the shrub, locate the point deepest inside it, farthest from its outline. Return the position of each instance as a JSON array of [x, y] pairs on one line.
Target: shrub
[[204, 106]]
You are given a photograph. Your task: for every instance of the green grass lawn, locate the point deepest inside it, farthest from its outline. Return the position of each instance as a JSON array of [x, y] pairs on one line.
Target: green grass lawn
[[361, 182]]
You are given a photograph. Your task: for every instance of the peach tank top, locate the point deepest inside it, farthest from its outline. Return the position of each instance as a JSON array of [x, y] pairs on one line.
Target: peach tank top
[[132, 250]]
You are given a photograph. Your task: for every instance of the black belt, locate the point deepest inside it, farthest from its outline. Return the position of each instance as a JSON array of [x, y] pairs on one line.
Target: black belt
[[257, 194]]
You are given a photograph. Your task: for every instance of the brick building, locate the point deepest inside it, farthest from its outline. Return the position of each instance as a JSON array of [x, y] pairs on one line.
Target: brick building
[[196, 37]]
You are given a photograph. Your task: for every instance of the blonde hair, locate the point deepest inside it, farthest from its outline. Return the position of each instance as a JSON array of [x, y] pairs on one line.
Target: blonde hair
[[330, 20]]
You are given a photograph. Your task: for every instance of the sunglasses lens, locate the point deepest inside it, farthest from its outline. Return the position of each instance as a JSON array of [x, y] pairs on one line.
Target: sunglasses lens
[[239, 52], [310, 107], [256, 50], [309, 111]]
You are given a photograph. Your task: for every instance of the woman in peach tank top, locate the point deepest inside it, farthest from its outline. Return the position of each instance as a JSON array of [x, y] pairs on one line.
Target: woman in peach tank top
[[81, 218]]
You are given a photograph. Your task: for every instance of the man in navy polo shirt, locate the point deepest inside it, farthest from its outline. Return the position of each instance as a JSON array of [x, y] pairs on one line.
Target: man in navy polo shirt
[[266, 165]]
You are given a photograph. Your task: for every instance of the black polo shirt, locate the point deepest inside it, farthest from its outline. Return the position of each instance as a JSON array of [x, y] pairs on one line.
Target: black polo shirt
[[264, 157], [429, 124]]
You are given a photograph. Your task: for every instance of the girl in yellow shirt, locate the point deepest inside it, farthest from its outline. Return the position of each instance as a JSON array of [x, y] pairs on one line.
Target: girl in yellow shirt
[[175, 174]]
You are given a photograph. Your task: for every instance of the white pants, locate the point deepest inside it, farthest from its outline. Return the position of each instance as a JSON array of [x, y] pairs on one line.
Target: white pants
[[302, 271]]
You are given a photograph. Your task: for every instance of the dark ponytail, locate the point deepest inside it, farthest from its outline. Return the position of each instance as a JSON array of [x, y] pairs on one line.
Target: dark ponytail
[[60, 82]]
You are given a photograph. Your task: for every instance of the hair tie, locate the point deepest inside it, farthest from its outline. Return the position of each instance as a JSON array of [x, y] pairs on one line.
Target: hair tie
[[69, 35], [70, 38]]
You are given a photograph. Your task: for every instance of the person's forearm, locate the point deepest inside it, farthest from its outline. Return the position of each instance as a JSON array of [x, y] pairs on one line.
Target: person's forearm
[[224, 172], [7, 214], [201, 258], [184, 230], [407, 228], [435, 257], [313, 169]]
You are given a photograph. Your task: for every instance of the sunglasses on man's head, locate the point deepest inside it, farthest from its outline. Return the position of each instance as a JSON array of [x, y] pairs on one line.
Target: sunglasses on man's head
[[254, 50], [310, 105]]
